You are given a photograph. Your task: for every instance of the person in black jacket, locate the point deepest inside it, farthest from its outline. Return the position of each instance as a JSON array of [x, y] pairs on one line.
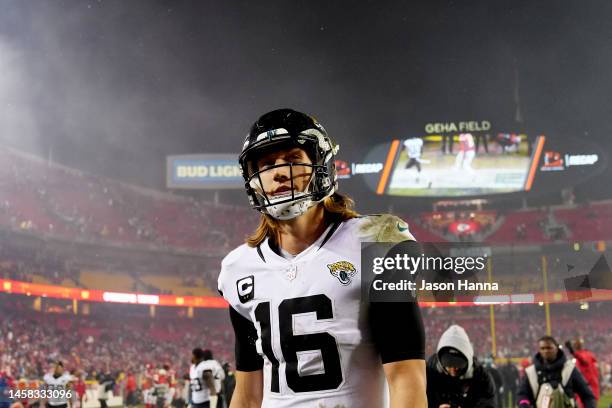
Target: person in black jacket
[[510, 375], [550, 366], [491, 368], [455, 378], [106, 382], [229, 383]]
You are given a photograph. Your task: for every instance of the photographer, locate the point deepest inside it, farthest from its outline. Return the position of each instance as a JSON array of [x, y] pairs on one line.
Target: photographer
[[454, 377], [553, 379]]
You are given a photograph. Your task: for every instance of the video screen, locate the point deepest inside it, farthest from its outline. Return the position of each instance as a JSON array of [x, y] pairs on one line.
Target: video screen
[[463, 164]]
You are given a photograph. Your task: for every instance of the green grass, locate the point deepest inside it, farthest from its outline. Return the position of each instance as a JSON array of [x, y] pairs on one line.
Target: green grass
[[605, 401]]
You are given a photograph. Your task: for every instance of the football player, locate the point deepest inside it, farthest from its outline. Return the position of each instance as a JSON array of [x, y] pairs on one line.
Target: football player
[[201, 379], [466, 154], [304, 335], [58, 381], [218, 376], [414, 150]]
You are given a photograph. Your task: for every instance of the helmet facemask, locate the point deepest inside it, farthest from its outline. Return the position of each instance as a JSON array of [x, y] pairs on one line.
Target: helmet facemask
[[297, 199]]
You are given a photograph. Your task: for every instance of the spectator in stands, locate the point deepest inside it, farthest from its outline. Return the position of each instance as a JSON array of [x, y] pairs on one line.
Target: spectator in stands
[[521, 231], [453, 369], [552, 376], [131, 398]]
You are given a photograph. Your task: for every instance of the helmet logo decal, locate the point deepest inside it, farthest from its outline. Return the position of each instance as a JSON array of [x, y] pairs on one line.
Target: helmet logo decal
[[271, 133]]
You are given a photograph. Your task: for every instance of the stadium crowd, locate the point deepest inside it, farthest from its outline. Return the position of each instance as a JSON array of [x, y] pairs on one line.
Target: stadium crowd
[[30, 341], [42, 197], [579, 222], [118, 343]]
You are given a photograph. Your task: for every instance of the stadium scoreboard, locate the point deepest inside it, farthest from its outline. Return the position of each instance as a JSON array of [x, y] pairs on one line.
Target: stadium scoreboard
[[466, 158], [472, 158]]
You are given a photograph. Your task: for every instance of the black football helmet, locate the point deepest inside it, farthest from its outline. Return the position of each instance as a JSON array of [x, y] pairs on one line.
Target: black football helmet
[[286, 128]]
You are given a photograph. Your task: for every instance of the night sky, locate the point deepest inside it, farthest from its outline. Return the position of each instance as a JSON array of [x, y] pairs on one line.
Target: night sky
[[113, 87]]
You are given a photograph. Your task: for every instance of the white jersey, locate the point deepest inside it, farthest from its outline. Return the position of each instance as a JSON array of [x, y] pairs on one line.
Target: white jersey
[[414, 146], [148, 396], [218, 374], [60, 384], [306, 311], [199, 390]]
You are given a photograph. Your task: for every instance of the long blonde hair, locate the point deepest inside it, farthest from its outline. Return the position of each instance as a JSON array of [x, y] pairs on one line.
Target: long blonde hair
[[338, 207]]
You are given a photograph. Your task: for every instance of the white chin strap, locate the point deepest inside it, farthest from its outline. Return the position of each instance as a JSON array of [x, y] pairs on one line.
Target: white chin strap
[[289, 210]]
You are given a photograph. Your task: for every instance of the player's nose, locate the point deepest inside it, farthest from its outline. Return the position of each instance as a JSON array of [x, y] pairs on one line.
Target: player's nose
[[281, 171], [281, 176]]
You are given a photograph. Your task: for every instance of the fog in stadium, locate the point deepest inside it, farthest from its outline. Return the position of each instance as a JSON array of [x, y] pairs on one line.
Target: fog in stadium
[[485, 126]]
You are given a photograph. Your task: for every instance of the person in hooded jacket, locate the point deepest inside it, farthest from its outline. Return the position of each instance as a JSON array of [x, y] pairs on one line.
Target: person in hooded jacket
[[455, 378]]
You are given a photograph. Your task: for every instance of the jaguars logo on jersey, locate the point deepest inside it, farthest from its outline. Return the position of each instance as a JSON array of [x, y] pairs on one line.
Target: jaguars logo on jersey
[[343, 270]]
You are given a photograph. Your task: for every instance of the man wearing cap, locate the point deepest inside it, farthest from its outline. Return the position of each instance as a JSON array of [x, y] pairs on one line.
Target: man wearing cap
[[454, 377]]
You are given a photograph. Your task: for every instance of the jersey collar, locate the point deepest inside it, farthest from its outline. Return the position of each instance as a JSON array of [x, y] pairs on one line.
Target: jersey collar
[[265, 250]]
